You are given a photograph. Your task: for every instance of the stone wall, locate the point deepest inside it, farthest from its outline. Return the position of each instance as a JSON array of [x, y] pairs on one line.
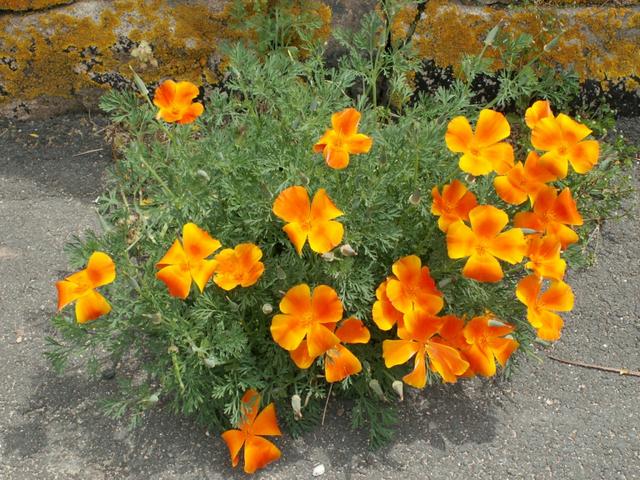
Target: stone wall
[[57, 55]]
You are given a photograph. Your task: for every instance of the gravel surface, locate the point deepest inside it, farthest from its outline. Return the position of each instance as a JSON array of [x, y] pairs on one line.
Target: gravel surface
[[550, 421]]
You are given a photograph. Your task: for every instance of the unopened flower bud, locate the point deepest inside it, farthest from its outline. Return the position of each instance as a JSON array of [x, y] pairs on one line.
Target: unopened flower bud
[[347, 250], [296, 405], [267, 308], [398, 387], [202, 174], [328, 257], [415, 197], [495, 323], [377, 389]]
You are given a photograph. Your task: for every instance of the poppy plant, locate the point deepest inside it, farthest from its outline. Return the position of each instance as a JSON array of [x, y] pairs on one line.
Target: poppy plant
[[175, 102], [483, 243], [339, 362], [80, 287], [307, 316], [541, 308], [343, 139], [313, 220], [238, 266], [552, 213], [455, 203], [412, 287], [418, 340], [523, 181], [258, 452], [488, 341], [384, 314], [562, 138], [186, 262], [536, 112], [543, 253], [482, 151]]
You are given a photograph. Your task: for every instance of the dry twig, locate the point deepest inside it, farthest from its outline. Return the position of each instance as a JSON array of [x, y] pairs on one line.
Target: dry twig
[[619, 371]]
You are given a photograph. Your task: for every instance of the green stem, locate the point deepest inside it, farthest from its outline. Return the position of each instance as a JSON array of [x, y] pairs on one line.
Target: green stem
[[155, 175]]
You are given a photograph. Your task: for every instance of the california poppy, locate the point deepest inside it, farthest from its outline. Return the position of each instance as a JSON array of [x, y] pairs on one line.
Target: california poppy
[[343, 139], [543, 253], [455, 203], [483, 151], [488, 340], [384, 314], [541, 307], [412, 287], [238, 266], [483, 243], [523, 181], [182, 264], [175, 102], [80, 287], [314, 220], [536, 112], [562, 138], [258, 452]]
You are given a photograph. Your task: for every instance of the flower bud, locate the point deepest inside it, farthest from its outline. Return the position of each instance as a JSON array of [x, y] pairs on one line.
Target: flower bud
[[347, 250], [398, 387], [296, 405], [495, 323], [267, 308], [375, 386], [415, 197], [172, 349], [202, 174], [328, 257]]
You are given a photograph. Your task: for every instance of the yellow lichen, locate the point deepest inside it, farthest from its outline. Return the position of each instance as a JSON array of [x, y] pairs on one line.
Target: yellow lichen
[[21, 5]]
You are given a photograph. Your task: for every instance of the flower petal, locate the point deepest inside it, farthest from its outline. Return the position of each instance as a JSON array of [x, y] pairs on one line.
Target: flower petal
[[346, 121], [90, 306], [100, 269], [459, 135], [353, 330], [584, 155], [258, 453], [198, 244], [325, 236], [572, 131], [192, 112], [500, 156], [556, 163], [446, 360], [266, 422], [483, 268], [536, 112], [461, 241], [491, 127], [550, 326], [383, 312], [508, 190], [546, 134], [297, 234], [301, 357], [174, 256], [339, 363], [418, 376], [397, 352], [201, 271], [288, 331], [558, 297], [359, 143], [509, 246], [502, 348], [323, 208], [337, 158], [565, 209], [69, 292], [186, 92], [487, 221], [234, 440], [320, 339], [325, 305], [528, 290], [165, 94], [293, 205], [297, 300], [480, 361], [475, 164], [177, 278]]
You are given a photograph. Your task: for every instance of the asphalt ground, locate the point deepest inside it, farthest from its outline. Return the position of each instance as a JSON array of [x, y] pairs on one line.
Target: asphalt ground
[[549, 421]]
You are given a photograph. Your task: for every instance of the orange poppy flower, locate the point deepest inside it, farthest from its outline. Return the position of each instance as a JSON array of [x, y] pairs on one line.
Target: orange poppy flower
[[536, 112], [486, 339], [314, 221], [544, 257], [541, 307], [81, 286], [308, 316], [339, 362], [238, 266], [258, 452], [338, 142], [417, 339], [483, 151], [455, 203], [451, 333], [181, 265], [483, 243], [383, 312], [563, 140], [175, 102], [551, 214], [523, 181], [412, 288]]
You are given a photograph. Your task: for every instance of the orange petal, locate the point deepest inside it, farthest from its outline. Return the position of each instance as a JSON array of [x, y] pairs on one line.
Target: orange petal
[[397, 352], [165, 94], [353, 330], [174, 256], [192, 112], [500, 156], [487, 221], [555, 163], [346, 121], [69, 292], [461, 241], [421, 326], [565, 209], [546, 134], [288, 331], [234, 440], [511, 187], [325, 236], [293, 205], [572, 131], [177, 278], [297, 234], [502, 348], [249, 255], [339, 363], [491, 127], [418, 376], [407, 269], [90, 306], [584, 155], [459, 135], [266, 422], [528, 290], [185, 92], [536, 112], [483, 268], [558, 297], [475, 164], [325, 305], [250, 404], [446, 361], [320, 339], [358, 143], [297, 300], [323, 208], [535, 171], [550, 326], [480, 361], [509, 246], [328, 138], [301, 357], [530, 220], [258, 453], [337, 158], [201, 272], [384, 313], [198, 244], [100, 269], [565, 235]]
